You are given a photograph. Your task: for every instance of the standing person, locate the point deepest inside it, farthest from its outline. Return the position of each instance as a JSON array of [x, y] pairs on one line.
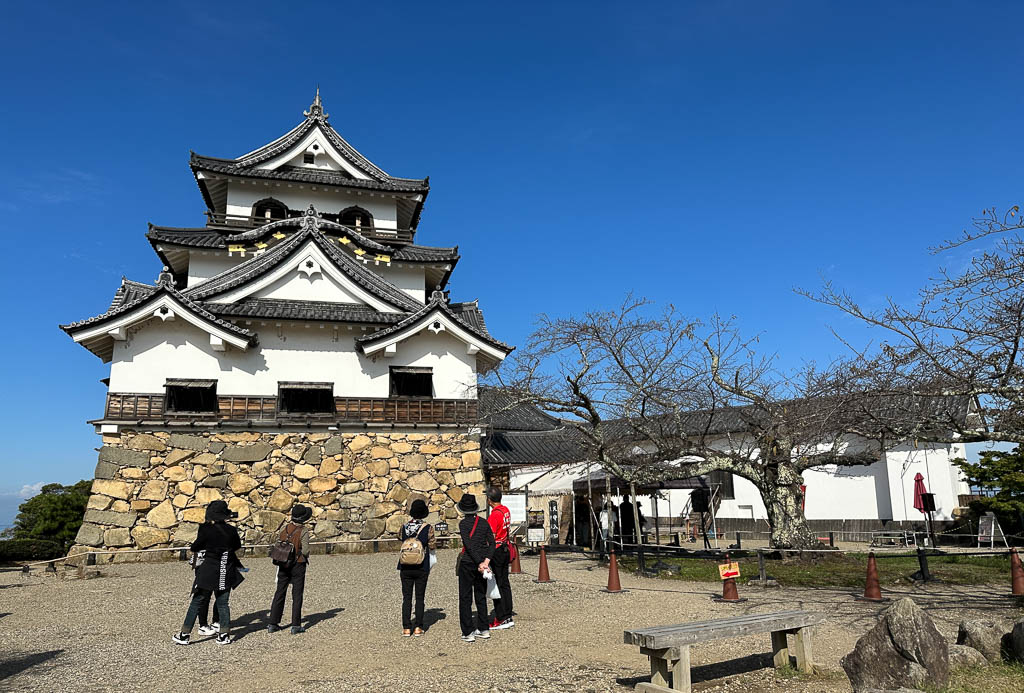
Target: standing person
[[205, 628], [477, 549], [414, 575], [219, 572], [293, 574], [500, 520]]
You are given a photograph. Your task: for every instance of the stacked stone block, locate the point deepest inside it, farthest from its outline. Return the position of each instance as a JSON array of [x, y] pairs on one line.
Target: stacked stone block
[[151, 489]]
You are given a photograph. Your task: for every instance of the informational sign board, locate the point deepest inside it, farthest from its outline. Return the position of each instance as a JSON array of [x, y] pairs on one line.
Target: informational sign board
[[989, 530], [516, 504], [729, 570], [535, 536], [441, 528]]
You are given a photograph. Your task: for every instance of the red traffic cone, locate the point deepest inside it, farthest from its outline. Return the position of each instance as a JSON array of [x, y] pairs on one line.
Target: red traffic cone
[[542, 572], [613, 576], [1016, 574], [515, 568], [872, 590], [729, 593]]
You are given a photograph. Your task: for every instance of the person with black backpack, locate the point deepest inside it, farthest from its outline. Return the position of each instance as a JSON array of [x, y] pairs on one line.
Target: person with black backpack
[[475, 559], [218, 574], [418, 546], [291, 556]]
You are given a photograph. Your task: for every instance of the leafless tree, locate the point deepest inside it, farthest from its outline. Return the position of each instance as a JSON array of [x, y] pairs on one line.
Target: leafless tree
[[657, 396], [962, 337]]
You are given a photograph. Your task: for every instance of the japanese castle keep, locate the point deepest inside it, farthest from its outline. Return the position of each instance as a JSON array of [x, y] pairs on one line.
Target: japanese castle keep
[[299, 348]]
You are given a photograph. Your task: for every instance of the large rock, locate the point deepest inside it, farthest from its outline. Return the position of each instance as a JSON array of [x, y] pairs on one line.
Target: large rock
[[329, 466], [124, 458], [378, 468], [313, 455], [904, 649], [147, 536], [471, 477], [984, 636], [360, 443], [325, 529], [423, 481], [1015, 641], [446, 462], [147, 441], [216, 481], [269, 520], [194, 515], [161, 516], [395, 522], [89, 535], [114, 489], [105, 470], [241, 484], [372, 529], [471, 459], [359, 499], [414, 463], [322, 484], [246, 453], [205, 496], [186, 533], [280, 501], [304, 471], [119, 536], [964, 657], [183, 440], [334, 446], [240, 506], [106, 517], [175, 473], [154, 490], [175, 457], [381, 510]]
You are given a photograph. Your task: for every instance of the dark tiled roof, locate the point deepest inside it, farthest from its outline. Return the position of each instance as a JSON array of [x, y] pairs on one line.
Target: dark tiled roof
[[438, 302], [303, 310], [304, 175], [501, 410], [129, 292], [259, 265], [207, 238], [517, 448]]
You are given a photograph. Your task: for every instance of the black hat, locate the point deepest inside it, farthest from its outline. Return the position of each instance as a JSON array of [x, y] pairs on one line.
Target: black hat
[[467, 505], [301, 513], [218, 511], [418, 510]]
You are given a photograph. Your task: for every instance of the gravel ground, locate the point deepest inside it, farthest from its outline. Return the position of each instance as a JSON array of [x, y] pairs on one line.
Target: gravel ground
[[113, 632]]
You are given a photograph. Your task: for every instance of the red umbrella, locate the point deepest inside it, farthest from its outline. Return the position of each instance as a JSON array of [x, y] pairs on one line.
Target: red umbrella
[[919, 490]]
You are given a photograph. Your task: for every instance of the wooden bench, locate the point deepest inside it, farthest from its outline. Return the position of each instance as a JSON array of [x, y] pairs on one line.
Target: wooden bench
[[669, 646]]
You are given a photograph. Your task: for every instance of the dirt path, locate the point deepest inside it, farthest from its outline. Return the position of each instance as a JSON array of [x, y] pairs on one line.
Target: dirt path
[[113, 632]]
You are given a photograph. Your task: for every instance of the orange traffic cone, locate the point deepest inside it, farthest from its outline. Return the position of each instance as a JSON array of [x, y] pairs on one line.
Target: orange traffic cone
[[1016, 574], [542, 572], [872, 590], [729, 593], [613, 576], [515, 568]]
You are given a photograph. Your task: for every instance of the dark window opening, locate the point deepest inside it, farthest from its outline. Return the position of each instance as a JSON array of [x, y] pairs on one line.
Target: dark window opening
[[411, 382], [191, 396], [355, 217], [305, 398], [723, 480], [270, 209], [308, 158]]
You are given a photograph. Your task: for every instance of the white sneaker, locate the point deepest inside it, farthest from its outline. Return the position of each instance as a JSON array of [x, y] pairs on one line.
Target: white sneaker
[[208, 630], [223, 639], [482, 635], [468, 638]]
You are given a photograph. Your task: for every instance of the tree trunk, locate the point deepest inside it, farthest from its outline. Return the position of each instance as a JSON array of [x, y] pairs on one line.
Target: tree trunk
[[783, 500]]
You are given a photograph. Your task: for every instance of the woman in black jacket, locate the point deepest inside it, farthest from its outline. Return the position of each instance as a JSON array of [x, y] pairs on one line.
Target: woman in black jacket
[[477, 549], [219, 572]]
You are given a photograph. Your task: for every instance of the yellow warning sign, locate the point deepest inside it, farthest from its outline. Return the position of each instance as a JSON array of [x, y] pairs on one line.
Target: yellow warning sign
[[729, 570]]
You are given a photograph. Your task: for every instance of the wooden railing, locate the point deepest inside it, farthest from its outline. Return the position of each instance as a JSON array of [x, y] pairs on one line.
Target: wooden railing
[[136, 406], [243, 222]]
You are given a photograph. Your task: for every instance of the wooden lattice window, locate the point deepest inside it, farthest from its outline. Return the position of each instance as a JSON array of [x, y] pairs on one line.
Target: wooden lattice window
[[411, 382], [184, 396], [305, 398]]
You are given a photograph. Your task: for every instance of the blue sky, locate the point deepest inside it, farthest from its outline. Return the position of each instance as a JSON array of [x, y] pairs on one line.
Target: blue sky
[[714, 155]]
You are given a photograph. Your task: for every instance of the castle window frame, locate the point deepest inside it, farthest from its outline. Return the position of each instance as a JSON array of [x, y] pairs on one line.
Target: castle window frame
[[355, 217], [305, 399], [309, 158], [190, 396], [408, 382], [270, 209]]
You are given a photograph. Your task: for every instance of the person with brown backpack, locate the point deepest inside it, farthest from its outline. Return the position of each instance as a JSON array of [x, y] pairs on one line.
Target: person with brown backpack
[[291, 556], [414, 559]]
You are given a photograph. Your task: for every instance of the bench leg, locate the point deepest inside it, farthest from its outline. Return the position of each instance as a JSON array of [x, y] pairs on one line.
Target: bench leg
[[804, 652], [659, 671], [780, 649], [681, 670]]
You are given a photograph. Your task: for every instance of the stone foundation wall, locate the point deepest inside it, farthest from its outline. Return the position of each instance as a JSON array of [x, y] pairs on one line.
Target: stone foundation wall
[[151, 489]]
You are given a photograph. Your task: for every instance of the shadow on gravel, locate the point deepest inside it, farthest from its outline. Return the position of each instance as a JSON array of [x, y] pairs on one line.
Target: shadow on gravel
[[313, 619], [432, 616], [711, 672], [16, 665], [5, 613], [13, 584], [249, 623]]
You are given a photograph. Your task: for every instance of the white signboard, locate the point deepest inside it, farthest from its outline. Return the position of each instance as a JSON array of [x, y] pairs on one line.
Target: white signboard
[[516, 504], [535, 536]]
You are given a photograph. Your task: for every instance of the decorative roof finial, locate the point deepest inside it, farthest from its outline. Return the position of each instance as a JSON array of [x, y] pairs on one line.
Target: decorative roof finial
[[316, 109], [165, 278]]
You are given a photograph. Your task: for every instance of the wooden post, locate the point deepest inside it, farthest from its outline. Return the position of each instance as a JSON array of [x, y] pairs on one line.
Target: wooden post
[[832, 539], [761, 575], [804, 653], [659, 671], [681, 670], [780, 649], [739, 542]]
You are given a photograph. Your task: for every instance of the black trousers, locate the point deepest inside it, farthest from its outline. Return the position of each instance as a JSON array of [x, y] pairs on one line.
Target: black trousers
[[472, 588], [295, 576], [413, 581], [500, 562]]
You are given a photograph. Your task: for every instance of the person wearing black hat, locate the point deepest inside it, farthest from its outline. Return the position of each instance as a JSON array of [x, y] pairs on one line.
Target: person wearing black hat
[[414, 575], [477, 549], [293, 574], [219, 572]]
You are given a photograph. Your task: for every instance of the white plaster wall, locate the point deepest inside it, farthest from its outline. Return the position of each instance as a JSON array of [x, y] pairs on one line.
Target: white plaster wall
[[203, 266], [298, 287], [242, 196], [940, 477], [411, 280], [156, 351], [849, 493]]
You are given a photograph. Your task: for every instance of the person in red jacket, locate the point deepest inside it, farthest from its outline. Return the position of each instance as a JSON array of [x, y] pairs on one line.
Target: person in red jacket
[[500, 520]]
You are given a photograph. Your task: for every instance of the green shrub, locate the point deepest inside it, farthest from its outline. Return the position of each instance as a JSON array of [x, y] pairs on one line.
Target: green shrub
[[29, 550]]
